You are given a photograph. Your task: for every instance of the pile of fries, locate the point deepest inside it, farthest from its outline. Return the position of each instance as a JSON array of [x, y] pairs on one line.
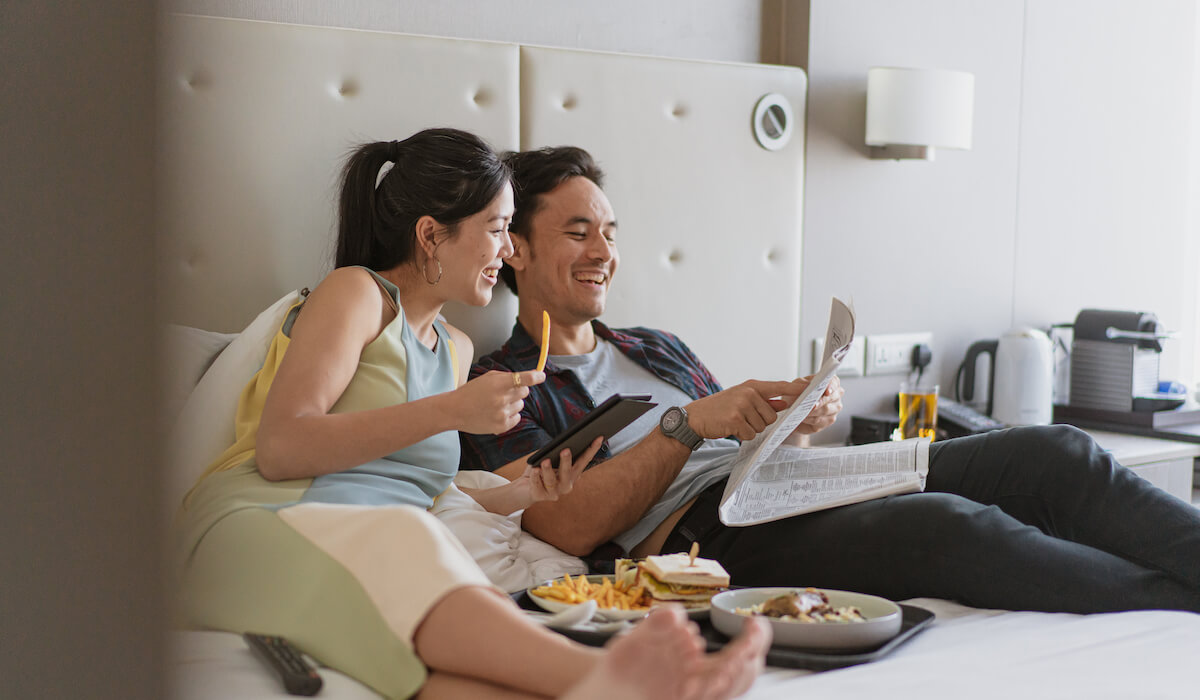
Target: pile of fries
[[618, 596]]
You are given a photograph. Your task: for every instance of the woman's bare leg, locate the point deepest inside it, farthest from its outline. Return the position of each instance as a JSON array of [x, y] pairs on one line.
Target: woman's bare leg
[[447, 686], [475, 639]]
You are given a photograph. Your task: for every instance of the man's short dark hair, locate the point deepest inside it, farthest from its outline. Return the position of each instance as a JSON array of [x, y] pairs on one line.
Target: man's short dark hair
[[535, 173]]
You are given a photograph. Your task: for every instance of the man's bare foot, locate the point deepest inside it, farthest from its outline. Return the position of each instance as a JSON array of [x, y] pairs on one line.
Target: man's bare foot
[[663, 657]]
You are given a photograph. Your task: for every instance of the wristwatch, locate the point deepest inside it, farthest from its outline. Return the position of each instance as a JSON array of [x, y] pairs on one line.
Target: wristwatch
[[674, 424]]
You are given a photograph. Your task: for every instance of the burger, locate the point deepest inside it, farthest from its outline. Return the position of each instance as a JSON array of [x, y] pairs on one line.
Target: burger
[[675, 578]]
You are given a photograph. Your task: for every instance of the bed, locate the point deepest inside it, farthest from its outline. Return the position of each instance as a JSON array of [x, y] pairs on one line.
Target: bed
[[256, 118]]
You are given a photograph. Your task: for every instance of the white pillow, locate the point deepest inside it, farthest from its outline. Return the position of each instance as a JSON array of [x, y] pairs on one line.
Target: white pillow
[[512, 558], [205, 426]]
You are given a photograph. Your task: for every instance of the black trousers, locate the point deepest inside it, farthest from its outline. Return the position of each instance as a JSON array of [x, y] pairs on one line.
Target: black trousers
[[1031, 518]]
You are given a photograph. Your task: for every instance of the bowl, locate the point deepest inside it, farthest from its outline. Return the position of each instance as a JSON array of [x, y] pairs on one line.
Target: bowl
[[882, 621]]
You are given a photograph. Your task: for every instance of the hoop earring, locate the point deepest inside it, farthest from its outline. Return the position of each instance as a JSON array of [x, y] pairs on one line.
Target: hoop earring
[[425, 272]]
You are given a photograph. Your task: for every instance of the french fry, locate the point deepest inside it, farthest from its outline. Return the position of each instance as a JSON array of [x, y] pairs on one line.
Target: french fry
[[578, 589], [541, 365]]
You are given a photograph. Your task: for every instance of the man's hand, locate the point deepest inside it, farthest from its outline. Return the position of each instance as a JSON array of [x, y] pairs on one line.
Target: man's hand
[[742, 411], [827, 409]]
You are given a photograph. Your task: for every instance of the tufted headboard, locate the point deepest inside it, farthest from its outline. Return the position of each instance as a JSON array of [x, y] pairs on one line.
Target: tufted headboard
[[257, 118]]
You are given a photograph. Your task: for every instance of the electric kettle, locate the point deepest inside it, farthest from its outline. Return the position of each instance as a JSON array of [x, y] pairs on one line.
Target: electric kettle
[[1020, 385]]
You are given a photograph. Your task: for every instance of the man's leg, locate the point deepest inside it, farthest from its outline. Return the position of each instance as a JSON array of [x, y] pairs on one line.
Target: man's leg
[[945, 546], [1057, 479]]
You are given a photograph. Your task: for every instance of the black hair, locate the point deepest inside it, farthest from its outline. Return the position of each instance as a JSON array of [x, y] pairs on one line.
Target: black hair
[[535, 173], [444, 173]]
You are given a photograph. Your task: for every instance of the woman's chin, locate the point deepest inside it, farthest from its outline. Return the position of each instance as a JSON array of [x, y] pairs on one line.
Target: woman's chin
[[481, 298]]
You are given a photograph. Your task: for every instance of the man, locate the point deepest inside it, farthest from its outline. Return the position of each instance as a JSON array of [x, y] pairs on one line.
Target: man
[[1035, 518]]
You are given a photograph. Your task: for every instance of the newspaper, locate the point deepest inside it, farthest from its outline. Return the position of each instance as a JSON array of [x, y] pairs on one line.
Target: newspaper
[[771, 480]]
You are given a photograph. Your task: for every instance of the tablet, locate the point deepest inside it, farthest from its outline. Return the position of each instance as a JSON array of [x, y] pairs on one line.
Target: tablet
[[607, 419]]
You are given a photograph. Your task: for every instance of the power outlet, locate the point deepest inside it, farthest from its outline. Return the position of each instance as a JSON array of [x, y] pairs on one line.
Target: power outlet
[[852, 363], [892, 354]]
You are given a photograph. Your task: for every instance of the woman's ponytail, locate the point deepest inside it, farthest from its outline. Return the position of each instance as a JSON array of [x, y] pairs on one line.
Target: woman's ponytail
[[358, 222]]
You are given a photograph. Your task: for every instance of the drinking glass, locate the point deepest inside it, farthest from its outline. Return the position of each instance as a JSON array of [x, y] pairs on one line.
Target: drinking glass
[[918, 410]]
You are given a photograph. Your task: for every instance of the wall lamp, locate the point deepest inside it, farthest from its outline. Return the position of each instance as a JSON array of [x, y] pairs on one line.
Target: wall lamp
[[911, 111]]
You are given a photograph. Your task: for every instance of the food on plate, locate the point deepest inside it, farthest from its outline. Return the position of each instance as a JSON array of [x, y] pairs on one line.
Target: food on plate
[[676, 578], [607, 594], [541, 365], [809, 605]]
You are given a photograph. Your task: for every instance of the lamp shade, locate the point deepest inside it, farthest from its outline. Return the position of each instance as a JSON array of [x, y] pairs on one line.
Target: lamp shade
[[919, 107]]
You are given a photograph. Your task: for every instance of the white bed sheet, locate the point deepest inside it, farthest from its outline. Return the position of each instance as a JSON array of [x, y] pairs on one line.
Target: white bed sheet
[[965, 653]]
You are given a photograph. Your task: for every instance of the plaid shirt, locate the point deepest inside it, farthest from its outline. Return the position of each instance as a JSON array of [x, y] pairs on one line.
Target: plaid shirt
[[562, 399]]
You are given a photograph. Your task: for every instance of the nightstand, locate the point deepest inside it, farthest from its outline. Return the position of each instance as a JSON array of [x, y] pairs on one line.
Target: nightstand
[[1167, 464]]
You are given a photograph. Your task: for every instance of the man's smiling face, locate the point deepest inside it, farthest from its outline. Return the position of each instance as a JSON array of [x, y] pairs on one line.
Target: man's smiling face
[[567, 261]]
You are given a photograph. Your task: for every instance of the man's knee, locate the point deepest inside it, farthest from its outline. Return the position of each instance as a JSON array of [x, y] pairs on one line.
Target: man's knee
[[1063, 446]]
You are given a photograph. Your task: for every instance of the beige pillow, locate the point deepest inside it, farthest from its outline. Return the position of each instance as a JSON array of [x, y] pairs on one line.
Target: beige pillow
[[204, 427]]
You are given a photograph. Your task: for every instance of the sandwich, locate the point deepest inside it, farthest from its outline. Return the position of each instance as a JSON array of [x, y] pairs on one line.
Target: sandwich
[[675, 578]]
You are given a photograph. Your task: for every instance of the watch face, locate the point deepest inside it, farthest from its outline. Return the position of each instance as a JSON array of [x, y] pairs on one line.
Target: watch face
[[671, 418]]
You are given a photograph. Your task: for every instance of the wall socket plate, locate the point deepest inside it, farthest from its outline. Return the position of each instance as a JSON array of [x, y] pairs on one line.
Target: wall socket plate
[[852, 364], [892, 354]]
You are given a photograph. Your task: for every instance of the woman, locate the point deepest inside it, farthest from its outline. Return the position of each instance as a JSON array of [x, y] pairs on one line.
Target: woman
[[314, 524]]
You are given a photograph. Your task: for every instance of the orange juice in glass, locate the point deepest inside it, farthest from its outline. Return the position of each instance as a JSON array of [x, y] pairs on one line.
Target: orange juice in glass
[[918, 410]]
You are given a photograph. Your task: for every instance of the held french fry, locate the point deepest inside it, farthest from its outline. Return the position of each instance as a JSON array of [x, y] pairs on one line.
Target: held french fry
[[541, 365]]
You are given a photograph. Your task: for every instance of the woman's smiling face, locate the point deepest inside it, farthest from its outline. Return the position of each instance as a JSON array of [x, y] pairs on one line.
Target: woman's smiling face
[[470, 259]]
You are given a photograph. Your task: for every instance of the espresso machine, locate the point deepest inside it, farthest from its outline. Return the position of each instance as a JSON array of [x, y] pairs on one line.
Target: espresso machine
[[1115, 361]]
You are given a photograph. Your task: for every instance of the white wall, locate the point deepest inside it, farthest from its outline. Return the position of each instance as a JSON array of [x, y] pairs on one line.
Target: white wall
[[1074, 195]]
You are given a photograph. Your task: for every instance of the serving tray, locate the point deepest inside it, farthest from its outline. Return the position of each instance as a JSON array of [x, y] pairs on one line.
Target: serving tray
[[913, 620]]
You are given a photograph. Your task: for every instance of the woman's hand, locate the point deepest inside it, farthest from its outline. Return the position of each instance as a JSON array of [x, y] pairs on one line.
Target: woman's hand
[[492, 403], [540, 482]]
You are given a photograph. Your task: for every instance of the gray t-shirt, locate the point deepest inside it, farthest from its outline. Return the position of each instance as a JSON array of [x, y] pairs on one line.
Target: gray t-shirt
[[605, 371]]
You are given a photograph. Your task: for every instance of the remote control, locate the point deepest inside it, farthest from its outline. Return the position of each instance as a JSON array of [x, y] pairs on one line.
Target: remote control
[[298, 676]]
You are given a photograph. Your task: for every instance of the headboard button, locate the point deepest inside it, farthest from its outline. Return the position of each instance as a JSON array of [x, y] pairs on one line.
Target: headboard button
[[675, 256], [198, 80], [348, 88], [568, 102], [482, 97], [679, 111]]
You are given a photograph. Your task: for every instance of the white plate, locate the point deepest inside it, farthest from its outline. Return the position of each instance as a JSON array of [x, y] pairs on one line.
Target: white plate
[[882, 622], [607, 614]]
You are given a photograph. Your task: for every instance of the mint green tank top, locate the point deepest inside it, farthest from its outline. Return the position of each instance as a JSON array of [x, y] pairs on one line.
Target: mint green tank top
[[394, 368]]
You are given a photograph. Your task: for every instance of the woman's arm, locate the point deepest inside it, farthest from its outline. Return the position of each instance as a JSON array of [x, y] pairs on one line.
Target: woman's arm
[[536, 483], [298, 437]]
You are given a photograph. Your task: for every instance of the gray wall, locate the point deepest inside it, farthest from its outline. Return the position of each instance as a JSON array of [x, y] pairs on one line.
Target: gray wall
[[81, 602], [708, 29]]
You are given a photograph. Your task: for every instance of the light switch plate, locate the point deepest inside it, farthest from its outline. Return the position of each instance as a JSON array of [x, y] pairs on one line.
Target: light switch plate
[[852, 364]]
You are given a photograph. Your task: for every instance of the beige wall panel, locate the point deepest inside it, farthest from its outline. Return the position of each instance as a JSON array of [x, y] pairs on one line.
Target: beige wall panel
[[257, 120], [709, 220]]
